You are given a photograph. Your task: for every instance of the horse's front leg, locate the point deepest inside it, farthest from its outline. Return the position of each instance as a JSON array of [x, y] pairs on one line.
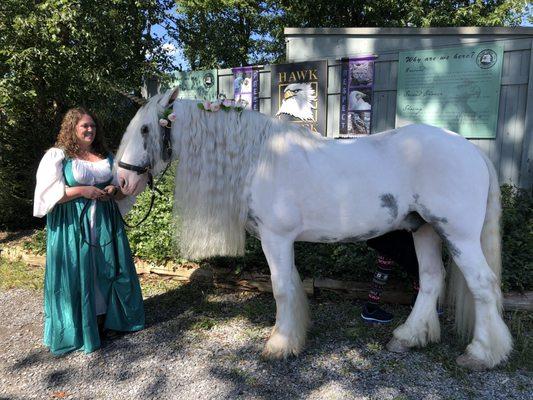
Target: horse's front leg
[[422, 325], [292, 310]]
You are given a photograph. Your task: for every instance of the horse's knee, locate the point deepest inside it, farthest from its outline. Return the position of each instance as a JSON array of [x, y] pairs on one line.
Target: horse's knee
[[483, 286]]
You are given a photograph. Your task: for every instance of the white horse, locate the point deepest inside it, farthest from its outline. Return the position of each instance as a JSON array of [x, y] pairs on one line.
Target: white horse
[[242, 171]]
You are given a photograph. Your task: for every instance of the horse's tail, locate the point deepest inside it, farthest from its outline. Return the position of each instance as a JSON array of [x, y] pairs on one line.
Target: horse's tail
[[459, 296]]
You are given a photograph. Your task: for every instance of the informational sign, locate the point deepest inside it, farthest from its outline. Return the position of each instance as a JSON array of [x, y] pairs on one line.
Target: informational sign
[[453, 88], [196, 85], [246, 86], [357, 80], [299, 93]]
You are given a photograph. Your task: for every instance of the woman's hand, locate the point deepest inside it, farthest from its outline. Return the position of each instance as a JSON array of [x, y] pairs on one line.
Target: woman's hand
[[114, 192], [93, 193], [111, 190]]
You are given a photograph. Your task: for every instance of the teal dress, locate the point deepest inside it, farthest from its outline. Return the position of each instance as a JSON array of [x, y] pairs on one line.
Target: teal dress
[[75, 270]]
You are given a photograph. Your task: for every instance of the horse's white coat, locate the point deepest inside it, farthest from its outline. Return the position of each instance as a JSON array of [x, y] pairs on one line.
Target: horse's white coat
[[286, 184]]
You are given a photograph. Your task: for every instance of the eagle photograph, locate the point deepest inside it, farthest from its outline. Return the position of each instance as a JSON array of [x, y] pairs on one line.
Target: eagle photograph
[[298, 103]]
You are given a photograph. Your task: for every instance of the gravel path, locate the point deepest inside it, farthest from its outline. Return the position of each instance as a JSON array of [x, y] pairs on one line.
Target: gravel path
[[206, 344]]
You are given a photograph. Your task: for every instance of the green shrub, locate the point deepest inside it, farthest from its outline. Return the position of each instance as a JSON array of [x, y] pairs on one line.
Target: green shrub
[[517, 239], [153, 240], [37, 242]]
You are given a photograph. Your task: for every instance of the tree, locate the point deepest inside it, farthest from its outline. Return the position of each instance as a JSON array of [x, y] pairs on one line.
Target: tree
[[57, 54], [224, 33], [241, 32]]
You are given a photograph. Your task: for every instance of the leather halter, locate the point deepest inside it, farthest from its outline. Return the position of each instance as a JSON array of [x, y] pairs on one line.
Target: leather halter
[[131, 167]]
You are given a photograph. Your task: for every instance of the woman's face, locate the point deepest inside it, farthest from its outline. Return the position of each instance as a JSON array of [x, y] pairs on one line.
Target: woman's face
[[85, 131]]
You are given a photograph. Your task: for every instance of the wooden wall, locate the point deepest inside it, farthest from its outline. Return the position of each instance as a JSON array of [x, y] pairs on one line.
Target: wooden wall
[[512, 149]]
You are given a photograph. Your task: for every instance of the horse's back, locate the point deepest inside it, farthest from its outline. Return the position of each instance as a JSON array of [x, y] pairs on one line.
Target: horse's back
[[428, 150], [368, 186]]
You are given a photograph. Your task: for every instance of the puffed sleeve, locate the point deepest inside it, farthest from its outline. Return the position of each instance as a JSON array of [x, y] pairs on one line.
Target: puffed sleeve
[[50, 187]]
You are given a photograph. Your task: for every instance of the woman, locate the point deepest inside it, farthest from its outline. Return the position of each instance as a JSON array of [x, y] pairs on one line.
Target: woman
[[90, 278]]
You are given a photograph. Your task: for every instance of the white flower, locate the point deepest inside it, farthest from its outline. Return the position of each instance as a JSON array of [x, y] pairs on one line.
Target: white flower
[[207, 105], [172, 117], [163, 122], [242, 103], [228, 103], [215, 106]]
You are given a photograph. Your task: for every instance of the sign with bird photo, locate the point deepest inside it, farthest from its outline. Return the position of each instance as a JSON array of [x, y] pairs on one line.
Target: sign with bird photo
[[246, 86], [299, 93], [196, 85], [357, 79]]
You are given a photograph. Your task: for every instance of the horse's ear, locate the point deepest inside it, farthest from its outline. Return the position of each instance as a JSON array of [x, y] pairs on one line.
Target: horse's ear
[[169, 97]]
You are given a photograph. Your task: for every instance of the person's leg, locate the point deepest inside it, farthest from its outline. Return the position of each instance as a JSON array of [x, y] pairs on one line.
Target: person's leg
[[371, 311]]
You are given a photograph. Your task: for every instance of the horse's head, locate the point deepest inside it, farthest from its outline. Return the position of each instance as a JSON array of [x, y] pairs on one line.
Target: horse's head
[[146, 145]]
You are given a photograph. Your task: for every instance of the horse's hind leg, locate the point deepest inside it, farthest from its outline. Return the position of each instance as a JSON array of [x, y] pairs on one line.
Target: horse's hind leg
[[422, 325], [491, 342], [292, 310]]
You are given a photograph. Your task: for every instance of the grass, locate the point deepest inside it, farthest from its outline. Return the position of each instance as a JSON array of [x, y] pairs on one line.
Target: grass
[[203, 324], [521, 325], [17, 274], [153, 285]]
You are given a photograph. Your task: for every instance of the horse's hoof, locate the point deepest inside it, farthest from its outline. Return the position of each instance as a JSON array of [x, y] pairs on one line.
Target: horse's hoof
[[470, 362], [279, 346], [397, 346]]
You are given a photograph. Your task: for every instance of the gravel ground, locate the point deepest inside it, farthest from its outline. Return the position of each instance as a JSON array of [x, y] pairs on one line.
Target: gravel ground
[[202, 343]]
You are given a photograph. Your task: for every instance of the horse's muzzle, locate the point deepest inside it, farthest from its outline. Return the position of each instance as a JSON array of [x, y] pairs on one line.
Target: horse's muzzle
[[131, 183]]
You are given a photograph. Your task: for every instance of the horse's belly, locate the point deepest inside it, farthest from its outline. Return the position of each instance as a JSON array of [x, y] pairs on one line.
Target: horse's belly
[[325, 236], [333, 226]]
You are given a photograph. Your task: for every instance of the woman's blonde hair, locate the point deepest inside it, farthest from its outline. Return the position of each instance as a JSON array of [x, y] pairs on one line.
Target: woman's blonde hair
[[66, 139]]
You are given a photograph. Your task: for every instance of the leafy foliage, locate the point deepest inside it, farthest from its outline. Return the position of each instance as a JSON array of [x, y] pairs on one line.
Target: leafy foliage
[[517, 238], [37, 243], [154, 238], [228, 33], [318, 260], [252, 31], [58, 54]]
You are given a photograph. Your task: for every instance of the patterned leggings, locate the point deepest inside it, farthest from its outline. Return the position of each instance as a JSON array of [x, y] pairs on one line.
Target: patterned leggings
[[394, 248]]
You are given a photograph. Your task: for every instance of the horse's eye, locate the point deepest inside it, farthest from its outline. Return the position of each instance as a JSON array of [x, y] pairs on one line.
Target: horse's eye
[[145, 130]]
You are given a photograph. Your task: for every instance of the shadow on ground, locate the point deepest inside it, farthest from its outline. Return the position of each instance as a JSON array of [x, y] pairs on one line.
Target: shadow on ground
[[206, 338]]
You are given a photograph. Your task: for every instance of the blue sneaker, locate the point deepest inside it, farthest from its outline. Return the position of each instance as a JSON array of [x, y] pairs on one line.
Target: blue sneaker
[[373, 313]]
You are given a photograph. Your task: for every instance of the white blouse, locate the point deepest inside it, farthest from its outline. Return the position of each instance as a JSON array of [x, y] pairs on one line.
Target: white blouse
[[50, 186]]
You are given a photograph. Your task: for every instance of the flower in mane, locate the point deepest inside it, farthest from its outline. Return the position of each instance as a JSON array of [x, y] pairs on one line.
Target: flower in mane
[[223, 104], [166, 118]]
